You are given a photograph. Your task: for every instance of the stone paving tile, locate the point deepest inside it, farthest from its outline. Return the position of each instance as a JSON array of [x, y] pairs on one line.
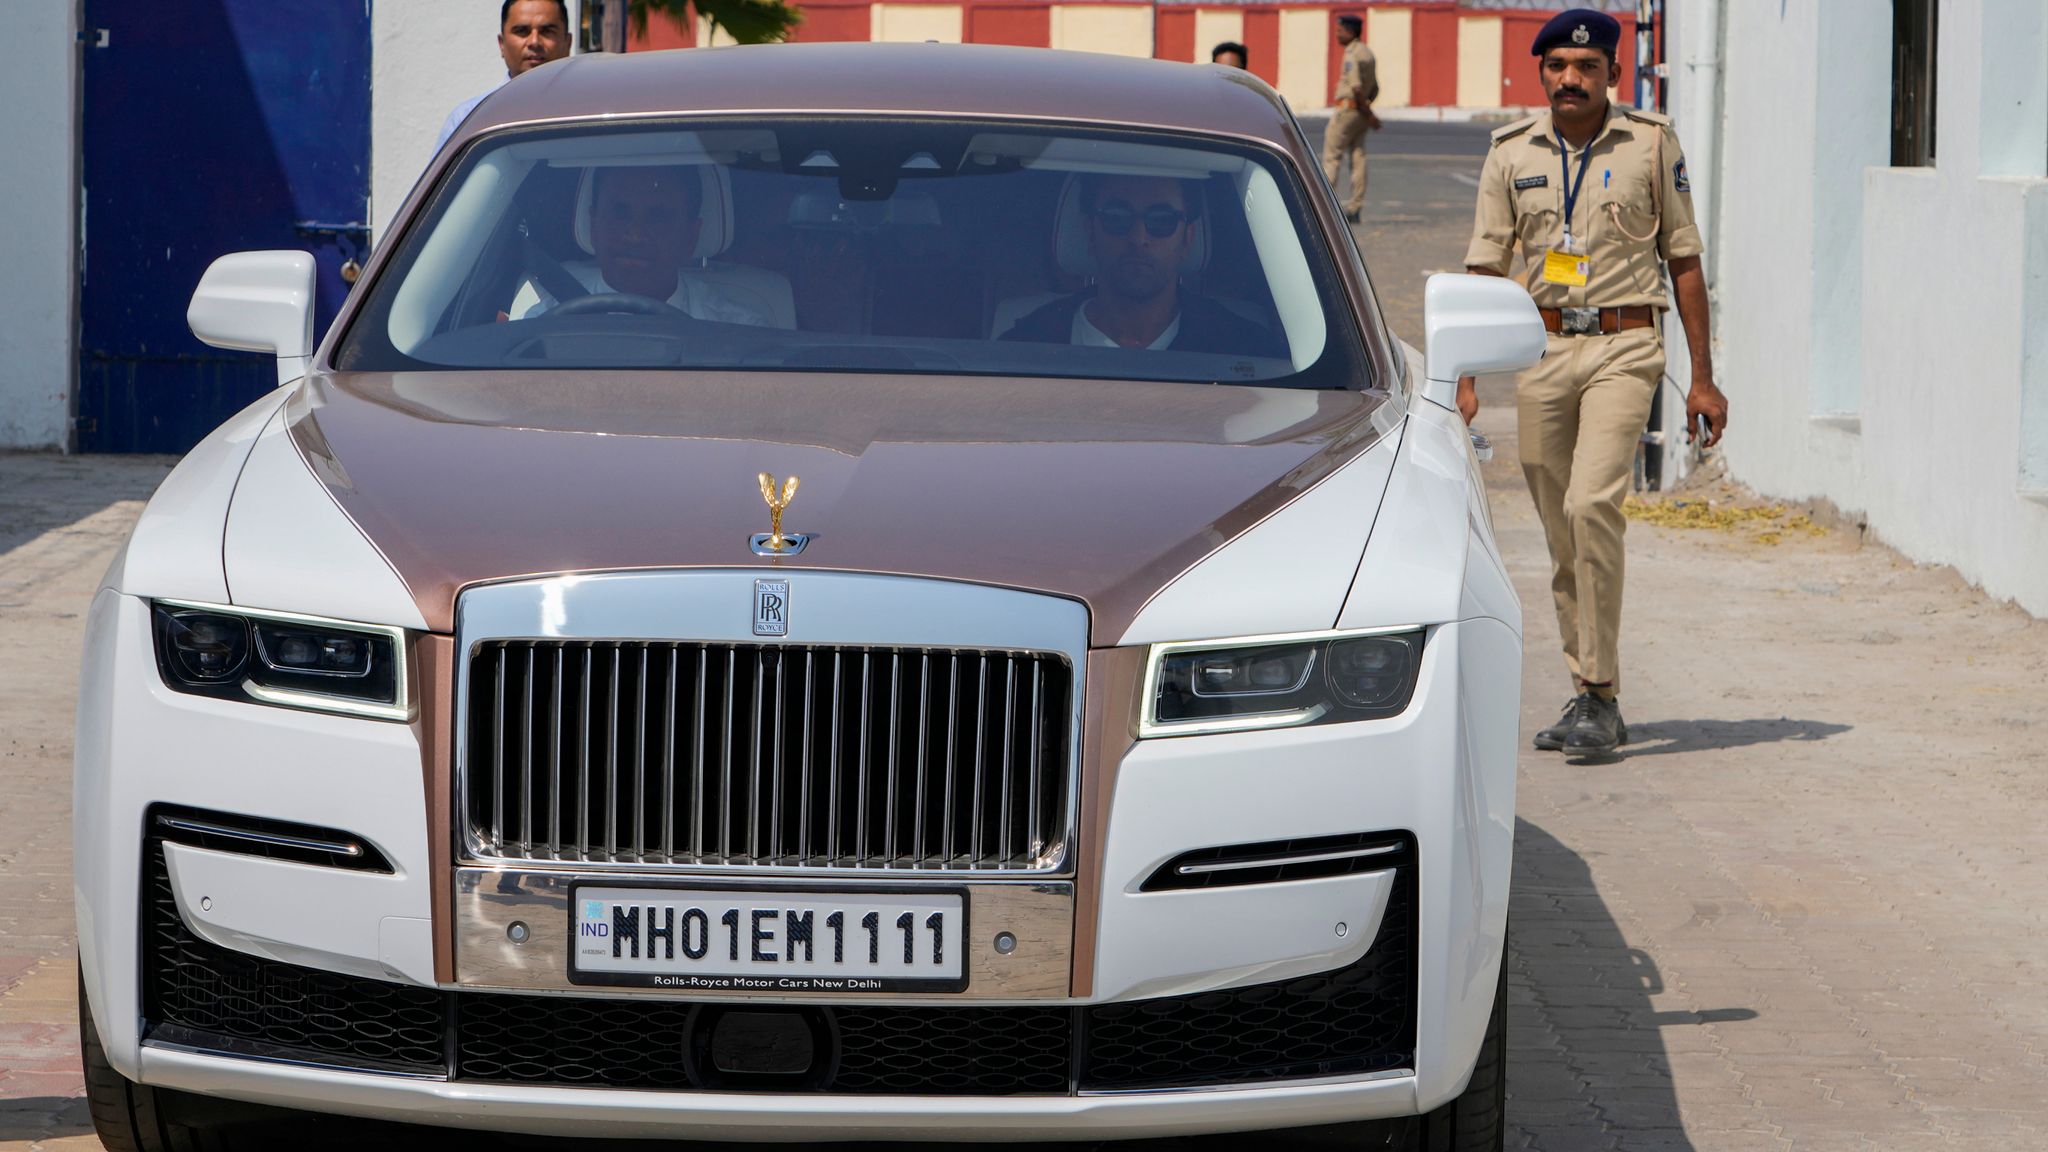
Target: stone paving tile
[[1858, 932]]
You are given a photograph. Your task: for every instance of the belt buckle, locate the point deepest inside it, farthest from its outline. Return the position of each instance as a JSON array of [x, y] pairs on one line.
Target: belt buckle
[[1579, 321]]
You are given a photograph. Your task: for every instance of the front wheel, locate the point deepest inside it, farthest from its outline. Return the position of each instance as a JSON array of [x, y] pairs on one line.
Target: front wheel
[[131, 1117], [1477, 1121]]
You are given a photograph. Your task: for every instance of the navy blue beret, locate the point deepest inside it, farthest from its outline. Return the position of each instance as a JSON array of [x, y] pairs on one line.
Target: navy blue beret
[[1578, 28]]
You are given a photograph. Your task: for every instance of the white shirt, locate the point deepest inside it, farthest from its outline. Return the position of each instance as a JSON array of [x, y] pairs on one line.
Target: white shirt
[[461, 113], [1088, 334], [694, 297]]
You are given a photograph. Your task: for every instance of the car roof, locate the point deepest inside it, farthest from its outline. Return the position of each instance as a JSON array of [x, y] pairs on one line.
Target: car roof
[[974, 80]]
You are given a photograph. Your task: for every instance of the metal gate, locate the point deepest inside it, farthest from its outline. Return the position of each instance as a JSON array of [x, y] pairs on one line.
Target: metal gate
[[207, 127]]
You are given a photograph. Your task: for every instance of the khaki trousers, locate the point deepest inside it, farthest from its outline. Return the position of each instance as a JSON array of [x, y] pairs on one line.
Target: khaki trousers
[[1581, 411], [1346, 133]]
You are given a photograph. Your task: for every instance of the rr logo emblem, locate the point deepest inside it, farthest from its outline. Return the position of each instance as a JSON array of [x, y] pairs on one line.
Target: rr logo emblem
[[771, 607]]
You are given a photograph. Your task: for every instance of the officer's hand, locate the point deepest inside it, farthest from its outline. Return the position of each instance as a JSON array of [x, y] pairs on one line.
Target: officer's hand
[[1468, 398], [1704, 402]]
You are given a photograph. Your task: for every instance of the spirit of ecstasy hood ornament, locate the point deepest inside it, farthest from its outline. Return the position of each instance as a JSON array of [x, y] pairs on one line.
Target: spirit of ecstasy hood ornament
[[773, 542]]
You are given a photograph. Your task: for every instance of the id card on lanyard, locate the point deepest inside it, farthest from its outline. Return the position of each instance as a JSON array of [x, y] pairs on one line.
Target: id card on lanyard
[[1568, 263]]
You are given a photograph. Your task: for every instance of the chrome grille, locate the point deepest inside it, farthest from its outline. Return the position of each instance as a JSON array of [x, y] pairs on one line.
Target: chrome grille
[[642, 753]]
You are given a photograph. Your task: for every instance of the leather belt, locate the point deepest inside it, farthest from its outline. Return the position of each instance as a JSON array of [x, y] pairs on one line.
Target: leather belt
[[1597, 321]]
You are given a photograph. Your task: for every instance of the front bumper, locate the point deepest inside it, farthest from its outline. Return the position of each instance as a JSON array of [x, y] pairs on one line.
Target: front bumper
[[588, 1112], [1443, 772]]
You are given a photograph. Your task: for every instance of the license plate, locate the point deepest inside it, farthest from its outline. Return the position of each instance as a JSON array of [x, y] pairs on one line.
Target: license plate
[[742, 940]]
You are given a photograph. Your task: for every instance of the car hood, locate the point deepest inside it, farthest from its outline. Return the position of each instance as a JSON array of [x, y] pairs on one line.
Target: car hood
[[1100, 491]]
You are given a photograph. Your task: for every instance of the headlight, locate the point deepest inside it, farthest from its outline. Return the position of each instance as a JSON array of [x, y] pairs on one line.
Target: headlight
[[282, 659], [1280, 681]]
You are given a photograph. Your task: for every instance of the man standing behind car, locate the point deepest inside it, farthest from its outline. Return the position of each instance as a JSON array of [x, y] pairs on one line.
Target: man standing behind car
[[530, 33], [1598, 198], [1358, 85]]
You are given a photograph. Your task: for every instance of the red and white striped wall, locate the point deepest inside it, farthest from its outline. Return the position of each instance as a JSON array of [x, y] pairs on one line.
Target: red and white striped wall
[[1432, 53]]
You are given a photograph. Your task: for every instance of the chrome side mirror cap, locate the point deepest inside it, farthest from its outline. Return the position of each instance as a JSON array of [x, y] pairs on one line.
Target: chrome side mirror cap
[[1475, 324], [258, 302]]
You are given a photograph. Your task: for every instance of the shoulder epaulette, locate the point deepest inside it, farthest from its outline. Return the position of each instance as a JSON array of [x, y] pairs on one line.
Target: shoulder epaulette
[[1510, 131], [1647, 117]]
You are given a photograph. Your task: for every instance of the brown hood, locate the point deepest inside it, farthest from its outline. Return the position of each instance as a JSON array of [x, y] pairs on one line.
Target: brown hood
[[1104, 492]]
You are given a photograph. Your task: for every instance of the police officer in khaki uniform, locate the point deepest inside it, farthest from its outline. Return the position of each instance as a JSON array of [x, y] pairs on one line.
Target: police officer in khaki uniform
[[1597, 198], [1358, 85]]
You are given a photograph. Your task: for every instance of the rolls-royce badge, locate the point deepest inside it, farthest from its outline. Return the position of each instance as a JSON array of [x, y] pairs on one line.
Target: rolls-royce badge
[[771, 607]]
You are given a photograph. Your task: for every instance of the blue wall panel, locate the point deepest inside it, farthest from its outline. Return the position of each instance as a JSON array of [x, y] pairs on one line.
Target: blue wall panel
[[209, 126]]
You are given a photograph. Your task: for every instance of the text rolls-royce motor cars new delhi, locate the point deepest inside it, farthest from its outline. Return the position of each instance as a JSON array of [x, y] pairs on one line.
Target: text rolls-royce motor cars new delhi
[[883, 592]]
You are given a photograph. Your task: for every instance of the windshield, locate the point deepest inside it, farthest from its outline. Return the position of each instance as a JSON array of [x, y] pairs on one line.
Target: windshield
[[863, 246]]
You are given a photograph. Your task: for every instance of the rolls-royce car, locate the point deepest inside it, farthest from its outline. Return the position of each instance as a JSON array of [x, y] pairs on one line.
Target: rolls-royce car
[[820, 592]]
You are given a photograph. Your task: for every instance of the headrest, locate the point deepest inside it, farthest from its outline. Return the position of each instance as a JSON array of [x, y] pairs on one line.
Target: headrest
[[1070, 235], [715, 212]]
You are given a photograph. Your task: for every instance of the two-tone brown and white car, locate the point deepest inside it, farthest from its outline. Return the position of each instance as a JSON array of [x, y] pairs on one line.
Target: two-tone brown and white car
[[821, 592]]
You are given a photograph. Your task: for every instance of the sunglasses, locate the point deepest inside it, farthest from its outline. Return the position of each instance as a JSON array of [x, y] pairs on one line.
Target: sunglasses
[[1160, 221]]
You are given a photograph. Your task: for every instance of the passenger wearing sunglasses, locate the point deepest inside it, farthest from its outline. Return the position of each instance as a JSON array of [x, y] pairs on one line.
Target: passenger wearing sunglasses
[[1143, 233]]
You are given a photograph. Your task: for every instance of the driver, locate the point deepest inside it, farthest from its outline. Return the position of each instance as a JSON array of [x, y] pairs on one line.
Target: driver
[[1140, 232], [643, 230]]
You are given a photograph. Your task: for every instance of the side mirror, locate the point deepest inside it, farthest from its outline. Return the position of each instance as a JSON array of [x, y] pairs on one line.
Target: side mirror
[[1475, 324], [258, 302]]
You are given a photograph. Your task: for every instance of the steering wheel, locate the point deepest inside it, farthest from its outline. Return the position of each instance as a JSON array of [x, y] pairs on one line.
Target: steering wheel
[[630, 303]]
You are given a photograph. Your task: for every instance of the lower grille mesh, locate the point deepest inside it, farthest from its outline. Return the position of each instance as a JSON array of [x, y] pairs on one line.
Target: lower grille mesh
[[531, 1040], [947, 1051], [206, 988], [1348, 1022], [1354, 1020]]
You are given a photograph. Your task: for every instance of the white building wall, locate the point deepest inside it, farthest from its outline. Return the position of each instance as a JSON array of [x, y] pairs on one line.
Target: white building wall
[[38, 88], [1880, 331]]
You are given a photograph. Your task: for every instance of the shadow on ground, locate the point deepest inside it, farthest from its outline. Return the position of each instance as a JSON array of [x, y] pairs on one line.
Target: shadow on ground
[[32, 1118], [1661, 737], [1588, 1058]]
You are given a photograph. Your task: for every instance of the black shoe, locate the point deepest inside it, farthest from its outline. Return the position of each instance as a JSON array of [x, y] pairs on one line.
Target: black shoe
[[1352, 214], [1551, 739], [1596, 729]]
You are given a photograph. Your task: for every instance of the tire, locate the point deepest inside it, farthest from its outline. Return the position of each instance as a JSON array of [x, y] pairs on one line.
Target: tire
[[1477, 1121], [131, 1117], [1474, 1122]]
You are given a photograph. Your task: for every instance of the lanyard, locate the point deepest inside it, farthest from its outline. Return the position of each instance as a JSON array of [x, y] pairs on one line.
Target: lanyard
[[1571, 190]]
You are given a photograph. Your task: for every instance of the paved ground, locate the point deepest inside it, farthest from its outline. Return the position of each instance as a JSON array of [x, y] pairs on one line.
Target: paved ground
[[1803, 912]]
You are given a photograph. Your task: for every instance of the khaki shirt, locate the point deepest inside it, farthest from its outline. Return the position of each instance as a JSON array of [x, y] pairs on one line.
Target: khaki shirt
[[1633, 213], [1359, 77]]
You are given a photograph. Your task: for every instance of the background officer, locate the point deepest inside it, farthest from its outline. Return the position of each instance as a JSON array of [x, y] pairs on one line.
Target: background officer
[[1358, 85], [1596, 196]]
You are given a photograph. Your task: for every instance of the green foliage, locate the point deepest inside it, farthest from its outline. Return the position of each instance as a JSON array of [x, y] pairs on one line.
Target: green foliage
[[747, 21]]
